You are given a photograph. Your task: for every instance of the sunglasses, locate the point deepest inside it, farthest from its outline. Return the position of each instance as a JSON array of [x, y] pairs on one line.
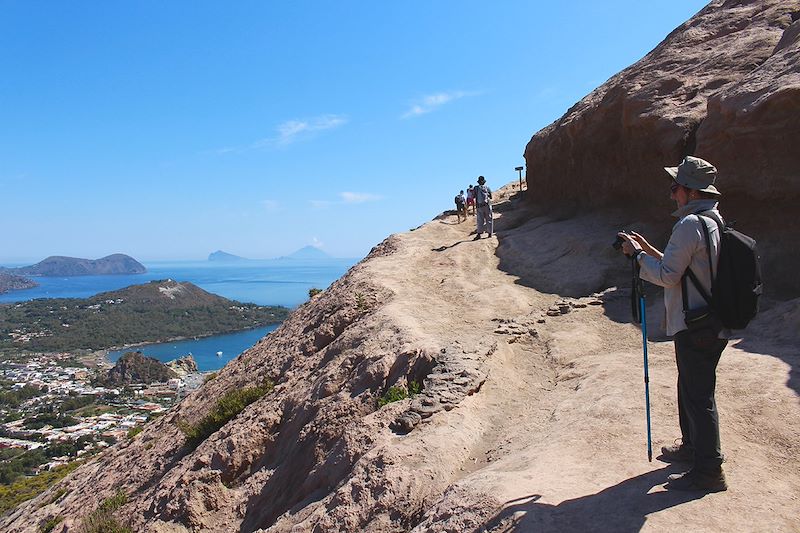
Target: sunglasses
[[674, 187]]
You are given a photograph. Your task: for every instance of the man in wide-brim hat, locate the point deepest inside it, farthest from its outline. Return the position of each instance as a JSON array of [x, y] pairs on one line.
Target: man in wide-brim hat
[[697, 350]]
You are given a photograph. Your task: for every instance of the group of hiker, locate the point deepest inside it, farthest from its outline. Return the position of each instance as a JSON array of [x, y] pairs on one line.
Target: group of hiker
[[479, 199]]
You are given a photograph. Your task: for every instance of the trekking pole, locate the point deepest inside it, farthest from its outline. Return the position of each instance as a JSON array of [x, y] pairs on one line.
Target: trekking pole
[[641, 317]]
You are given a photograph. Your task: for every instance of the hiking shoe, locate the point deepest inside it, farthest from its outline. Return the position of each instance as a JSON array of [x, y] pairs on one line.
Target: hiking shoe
[[477, 237], [698, 481], [677, 453]]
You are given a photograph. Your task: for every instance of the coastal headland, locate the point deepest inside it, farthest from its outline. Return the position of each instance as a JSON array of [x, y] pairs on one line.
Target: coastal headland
[[158, 311]]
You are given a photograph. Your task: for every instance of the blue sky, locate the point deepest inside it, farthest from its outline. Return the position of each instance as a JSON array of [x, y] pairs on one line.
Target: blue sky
[[168, 130]]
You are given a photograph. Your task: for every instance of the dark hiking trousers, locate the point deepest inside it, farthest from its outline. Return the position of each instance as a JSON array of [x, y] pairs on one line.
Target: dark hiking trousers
[[697, 354]]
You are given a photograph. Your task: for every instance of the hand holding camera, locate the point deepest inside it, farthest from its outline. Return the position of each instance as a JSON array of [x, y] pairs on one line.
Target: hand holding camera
[[630, 243]]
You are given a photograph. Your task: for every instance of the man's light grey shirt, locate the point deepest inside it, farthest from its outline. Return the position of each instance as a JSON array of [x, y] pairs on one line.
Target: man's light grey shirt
[[686, 248]]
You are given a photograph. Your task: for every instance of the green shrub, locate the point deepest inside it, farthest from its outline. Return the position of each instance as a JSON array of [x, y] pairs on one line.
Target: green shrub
[[313, 292], [102, 520], [209, 377], [227, 408], [48, 526], [114, 502], [134, 431], [55, 497], [396, 393], [29, 487], [361, 301]]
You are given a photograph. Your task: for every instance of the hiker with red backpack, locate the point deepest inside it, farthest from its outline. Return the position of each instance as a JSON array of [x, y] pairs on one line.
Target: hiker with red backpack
[[703, 300]]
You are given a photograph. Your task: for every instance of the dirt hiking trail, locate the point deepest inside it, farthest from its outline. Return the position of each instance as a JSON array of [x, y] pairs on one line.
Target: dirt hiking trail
[[555, 438]]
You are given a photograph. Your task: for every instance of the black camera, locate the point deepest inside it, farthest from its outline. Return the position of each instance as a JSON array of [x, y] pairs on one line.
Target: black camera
[[617, 244]]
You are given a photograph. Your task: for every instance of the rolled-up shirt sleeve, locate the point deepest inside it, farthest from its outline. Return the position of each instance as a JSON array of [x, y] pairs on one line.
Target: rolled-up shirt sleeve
[[682, 244]]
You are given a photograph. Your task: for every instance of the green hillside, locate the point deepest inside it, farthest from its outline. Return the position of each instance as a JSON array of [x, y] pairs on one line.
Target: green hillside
[[151, 312]]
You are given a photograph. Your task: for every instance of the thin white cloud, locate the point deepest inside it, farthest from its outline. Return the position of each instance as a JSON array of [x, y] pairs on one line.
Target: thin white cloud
[[227, 150], [359, 197], [346, 198], [315, 242], [269, 205], [320, 204], [289, 132], [294, 130], [432, 102]]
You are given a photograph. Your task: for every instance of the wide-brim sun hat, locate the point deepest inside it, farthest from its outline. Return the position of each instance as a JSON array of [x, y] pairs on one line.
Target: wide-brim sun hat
[[481, 179], [695, 173]]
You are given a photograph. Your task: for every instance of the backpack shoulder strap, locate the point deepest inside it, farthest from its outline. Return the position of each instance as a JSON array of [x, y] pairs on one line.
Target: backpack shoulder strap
[[708, 244], [713, 216], [691, 275], [696, 282]]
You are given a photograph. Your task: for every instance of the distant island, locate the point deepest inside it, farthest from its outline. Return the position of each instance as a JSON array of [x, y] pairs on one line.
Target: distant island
[[56, 266], [152, 312], [307, 252], [12, 282], [224, 257]]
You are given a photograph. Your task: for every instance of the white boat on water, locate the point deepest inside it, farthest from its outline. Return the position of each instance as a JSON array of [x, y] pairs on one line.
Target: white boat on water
[[219, 354]]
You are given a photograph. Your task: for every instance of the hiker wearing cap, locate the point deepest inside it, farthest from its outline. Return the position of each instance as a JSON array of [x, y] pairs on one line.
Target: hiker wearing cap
[[483, 201], [699, 339]]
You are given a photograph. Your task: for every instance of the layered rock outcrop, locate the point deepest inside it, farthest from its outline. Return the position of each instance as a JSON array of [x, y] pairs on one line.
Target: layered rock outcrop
[[724, 86]]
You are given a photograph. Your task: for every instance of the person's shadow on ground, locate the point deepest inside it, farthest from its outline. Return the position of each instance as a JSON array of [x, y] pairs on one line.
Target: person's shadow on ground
[[443, 248], [621, 508]]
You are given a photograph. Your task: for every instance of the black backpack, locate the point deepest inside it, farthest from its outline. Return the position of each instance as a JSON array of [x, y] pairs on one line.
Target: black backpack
[[737, 285]]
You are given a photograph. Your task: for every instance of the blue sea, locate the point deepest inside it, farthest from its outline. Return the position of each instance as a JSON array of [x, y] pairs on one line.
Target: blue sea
[[210, 353], [271, 282]]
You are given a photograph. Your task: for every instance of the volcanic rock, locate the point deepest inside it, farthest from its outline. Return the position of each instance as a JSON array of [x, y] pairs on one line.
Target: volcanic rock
[[135, 367], [724, 86], [183, 365]]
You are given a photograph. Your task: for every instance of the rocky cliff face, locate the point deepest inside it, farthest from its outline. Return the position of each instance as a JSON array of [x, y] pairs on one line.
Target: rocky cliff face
[[183, 365], [724, 86]]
